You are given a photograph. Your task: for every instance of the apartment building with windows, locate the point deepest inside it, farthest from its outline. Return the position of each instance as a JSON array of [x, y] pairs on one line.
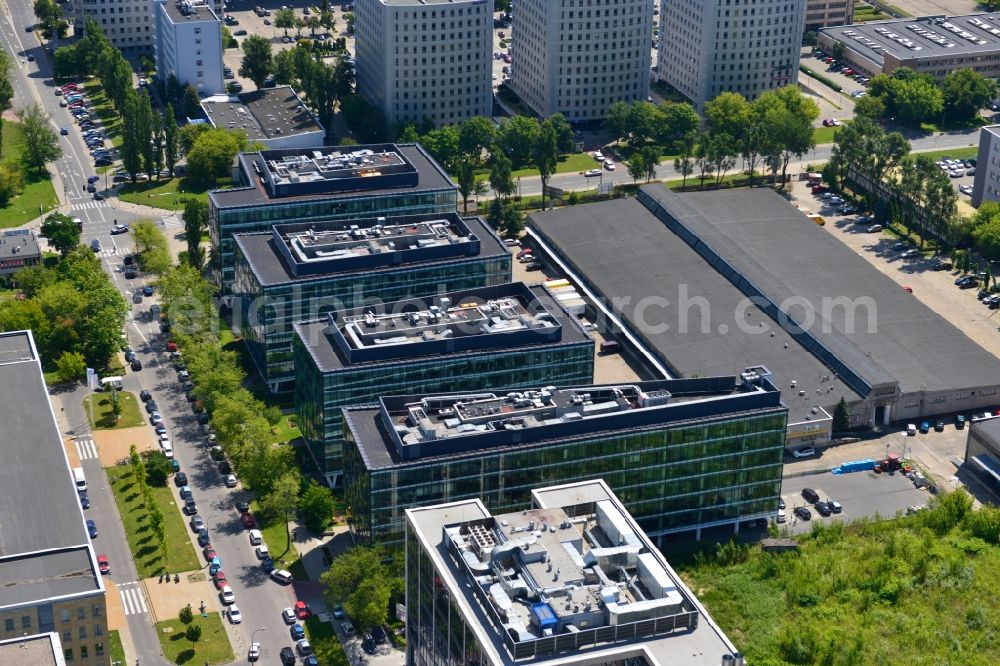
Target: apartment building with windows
[[571, 579], [304, 270], [48, 568], [323, 183], [128, 24], [426, 59], [188, 44], [508, 335], [986, 186], [578, 57], [715, 46], [683, 454], [828, 13]]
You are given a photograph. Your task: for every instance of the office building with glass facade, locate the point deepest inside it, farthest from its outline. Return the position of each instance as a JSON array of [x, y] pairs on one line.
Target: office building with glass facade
[[509, 335], [571, 579], [683, 454], [303, 271], [323, 183]]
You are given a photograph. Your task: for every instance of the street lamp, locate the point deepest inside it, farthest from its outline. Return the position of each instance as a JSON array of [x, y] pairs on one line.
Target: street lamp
[[254, 632]]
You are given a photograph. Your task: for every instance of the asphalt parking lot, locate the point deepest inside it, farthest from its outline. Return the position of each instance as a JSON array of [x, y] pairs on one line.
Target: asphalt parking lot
[[862, 494]]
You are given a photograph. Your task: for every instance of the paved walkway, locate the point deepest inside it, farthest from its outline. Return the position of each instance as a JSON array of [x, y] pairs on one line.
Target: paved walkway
[[113, 445], [168, 598]]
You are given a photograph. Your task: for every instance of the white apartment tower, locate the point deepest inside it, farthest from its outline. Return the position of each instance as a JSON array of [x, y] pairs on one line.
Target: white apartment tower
[[188, 44], [578, 57], [128, 24], [707, 47], [420, 59]]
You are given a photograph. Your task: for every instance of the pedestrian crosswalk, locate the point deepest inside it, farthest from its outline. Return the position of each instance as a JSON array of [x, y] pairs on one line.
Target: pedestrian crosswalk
[[86, 205], [86, 448], [133, 601]]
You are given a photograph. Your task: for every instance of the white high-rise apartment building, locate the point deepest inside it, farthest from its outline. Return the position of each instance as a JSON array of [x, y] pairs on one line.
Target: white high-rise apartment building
[[578, 57], [420, 59], [128, 24], [188, 44], [707, 47]]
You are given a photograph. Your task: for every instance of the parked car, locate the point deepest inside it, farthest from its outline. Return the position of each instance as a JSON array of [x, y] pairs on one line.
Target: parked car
[[911, 429], [803, 452], [226, 595], [103, 564], [302, 610], [282, 576], [802, 513], [91, 528], [835, 506], [960, 422], [925, 427], [810, 495], [939, 426], [875, 228], [823, 508]]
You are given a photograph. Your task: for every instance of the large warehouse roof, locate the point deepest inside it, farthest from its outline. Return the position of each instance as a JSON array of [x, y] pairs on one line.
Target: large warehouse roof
[[626, 254]]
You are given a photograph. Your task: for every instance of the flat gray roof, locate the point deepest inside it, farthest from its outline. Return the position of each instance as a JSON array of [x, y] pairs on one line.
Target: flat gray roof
[[19, 243], [430, 177], [633, 261], [195, 12], [39, 508], [270, 268], [329, 357], [791, 259], [704, 646], [37, 650], [263, 114], [922, 36]]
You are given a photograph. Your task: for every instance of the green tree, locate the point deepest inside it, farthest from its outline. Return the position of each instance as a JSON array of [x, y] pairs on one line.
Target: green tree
[[152, 249], [565, 139], [476, 135], [188, 135], [195, 223], [68, 62], [869, 106], [501, 179], [443, 144], [636, 166], [212, 156], [191, 103], [316, 507], [841, 417], [285, 19], [132, 135], [966, 92], [157, 468], [186, 615], [360, 581], [70, 367], [517, 138], [679, 121], [917, 100], [987, 238], [651, 158], [282, 502], [545, 155], [617, 120], [61, 232], [171, 140], [159, 526], [41, 143], [465, 173], [258, 61], [283, 68], [193, 633], [144, 133]]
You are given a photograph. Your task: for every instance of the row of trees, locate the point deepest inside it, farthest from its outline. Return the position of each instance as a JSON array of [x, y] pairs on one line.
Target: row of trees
[[50, 15], [669, 125], [323, 84], [72, 309], [912, 98]]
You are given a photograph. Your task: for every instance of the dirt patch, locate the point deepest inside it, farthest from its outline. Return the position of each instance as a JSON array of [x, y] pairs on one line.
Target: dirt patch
[[114, 444]]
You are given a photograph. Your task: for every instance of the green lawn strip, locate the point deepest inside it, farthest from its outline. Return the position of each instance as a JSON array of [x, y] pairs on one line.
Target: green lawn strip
[[212, 648], [276, 538], [571, 163], [284, 432], [38, 196], [823, 135], [98, 408], [168, 193], [116, 650], [963, 153], [325, 643], [100, 106], [144, 546]]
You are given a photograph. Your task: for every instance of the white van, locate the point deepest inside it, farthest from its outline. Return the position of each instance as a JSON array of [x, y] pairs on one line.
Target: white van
[[107, 383], [80, 480]]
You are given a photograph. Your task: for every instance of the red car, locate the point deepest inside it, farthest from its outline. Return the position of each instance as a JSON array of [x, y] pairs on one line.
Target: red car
[[302, 610], [219, 579], [248, 521], [104, 565], [209, 552], [171, 346]]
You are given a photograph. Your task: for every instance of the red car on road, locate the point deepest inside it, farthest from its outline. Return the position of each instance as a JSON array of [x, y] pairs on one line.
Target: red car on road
[[209, 552], [219, 579], [248, 521], [104, 565]]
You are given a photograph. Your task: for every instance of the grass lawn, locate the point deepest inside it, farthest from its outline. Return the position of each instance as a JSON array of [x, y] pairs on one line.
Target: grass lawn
[[824, 134], [115, 649], [169, 193], [325, 642], [955, 153], [284, 431], [567, 164], [103, 419], [889, 592], [212, 648], [38, 197], [101, 107], [145, 548], [276, 538]]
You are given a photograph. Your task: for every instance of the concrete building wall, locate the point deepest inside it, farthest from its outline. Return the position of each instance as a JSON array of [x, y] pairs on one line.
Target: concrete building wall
[[428, 59], [81, 623], [987, 184], [825, 13], [748, 46], [190, 50], [127, 23], [578, 57]]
